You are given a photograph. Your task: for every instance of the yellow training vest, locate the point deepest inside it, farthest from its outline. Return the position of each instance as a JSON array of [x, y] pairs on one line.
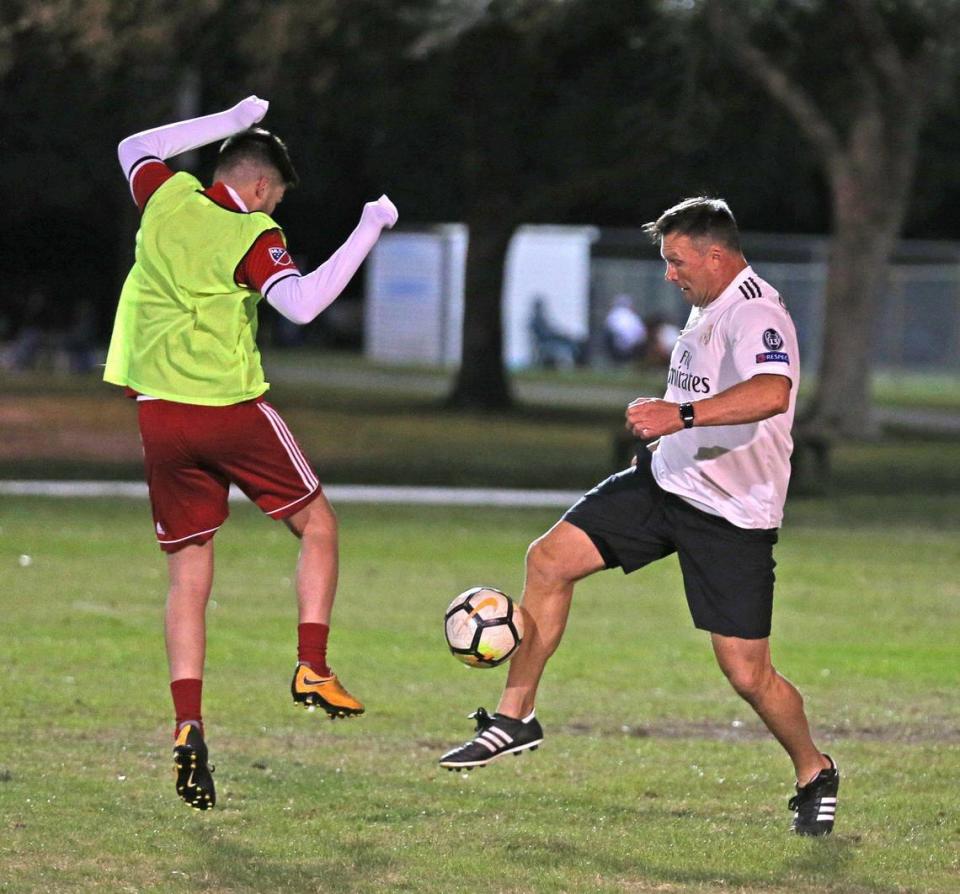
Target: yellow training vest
[[185, 330]]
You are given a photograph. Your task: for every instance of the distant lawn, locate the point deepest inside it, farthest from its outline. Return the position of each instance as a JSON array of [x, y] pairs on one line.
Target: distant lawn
[[654, 776], [932, 391], [368, 424]]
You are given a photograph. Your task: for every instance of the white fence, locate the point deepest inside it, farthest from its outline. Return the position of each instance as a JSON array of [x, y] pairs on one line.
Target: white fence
[[414, 303], [917, 319]]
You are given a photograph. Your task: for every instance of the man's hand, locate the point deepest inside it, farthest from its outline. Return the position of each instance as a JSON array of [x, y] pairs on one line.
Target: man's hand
[[650, 417], [249, 111], [382, 212]]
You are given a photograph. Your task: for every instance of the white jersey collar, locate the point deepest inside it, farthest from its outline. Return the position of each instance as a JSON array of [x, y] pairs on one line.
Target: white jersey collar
[[731, 292], [237, 199]]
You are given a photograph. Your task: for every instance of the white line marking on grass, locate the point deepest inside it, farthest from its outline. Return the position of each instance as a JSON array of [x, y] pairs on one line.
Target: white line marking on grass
[[336, 493]]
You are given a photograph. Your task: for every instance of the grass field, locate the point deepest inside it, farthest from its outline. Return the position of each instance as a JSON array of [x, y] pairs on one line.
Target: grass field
[[653, 776]]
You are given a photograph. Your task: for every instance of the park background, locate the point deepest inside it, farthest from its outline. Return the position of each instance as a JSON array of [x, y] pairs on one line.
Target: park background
[[825, 124]]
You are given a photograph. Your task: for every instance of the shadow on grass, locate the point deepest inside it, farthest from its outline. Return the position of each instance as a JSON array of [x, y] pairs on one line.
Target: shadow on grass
[[227, 865], [824, 865]]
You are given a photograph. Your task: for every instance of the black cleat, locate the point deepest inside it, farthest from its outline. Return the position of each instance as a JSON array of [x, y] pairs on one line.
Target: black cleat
[[194, 779], [814, 805], [496, 736]]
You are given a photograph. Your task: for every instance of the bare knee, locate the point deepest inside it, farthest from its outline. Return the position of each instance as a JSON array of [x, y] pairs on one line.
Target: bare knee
[[316, 520], [191, 573], [750, 681], [562, 556], [544, 561]]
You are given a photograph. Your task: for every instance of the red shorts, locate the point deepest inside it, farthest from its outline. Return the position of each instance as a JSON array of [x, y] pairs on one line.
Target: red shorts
[[193, 453]]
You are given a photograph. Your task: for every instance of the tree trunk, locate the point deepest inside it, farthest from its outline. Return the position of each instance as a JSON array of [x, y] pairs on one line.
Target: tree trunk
[[841, 405], [870, 186], [482, 382]]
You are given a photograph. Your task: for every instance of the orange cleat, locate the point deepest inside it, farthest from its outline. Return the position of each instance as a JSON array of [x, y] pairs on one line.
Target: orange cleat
[[315, 691]]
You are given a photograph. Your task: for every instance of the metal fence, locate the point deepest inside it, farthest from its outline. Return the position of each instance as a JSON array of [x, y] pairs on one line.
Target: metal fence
[[917, 321]]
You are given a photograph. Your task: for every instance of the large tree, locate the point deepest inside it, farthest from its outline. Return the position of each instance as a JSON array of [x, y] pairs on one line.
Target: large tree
[[550, 104], [858, 78]]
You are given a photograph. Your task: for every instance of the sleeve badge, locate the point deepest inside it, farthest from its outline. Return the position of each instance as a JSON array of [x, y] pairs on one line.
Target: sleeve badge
[[280, 256]]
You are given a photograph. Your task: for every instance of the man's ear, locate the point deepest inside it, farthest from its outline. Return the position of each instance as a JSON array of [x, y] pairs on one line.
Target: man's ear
[[261, 186]]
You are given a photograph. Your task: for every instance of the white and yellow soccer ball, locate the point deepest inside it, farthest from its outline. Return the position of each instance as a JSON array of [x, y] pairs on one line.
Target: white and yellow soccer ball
[[483, 627]]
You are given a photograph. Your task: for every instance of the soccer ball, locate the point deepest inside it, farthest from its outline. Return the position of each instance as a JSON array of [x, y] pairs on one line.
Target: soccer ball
[[483, 627]]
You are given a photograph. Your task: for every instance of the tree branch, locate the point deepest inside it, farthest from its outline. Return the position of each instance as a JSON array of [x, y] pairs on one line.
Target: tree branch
[[756, 63], [881, 49]]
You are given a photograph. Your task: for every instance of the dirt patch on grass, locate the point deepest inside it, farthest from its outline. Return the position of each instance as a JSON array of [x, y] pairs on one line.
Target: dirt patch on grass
[[937, 730], [77, 427]]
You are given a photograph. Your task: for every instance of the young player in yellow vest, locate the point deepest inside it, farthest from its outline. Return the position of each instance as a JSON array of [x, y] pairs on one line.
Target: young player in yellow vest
[[184, 344]]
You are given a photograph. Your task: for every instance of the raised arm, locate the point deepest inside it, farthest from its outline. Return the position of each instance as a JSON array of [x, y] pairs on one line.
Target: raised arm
[[165, 142], [301, 298]]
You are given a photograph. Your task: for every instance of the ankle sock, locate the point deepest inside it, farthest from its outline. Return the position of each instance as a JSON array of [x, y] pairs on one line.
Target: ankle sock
[[187, 695], [312, 647]]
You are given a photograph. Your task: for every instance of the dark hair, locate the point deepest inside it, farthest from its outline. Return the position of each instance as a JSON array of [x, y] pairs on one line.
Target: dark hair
[[260, 147], [697, 217]]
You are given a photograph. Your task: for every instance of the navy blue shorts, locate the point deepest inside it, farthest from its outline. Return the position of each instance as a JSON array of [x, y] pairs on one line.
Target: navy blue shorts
[[727, 571]]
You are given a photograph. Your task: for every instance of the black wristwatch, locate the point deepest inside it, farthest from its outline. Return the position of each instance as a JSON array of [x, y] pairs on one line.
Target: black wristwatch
[[686, 414]]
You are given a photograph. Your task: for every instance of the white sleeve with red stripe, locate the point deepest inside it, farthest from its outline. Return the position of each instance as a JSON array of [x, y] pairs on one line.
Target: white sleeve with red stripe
[[161, 143], [301, 298]]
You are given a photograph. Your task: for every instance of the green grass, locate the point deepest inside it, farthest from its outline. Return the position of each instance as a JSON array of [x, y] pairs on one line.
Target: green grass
[[932, 391], [653, 776]]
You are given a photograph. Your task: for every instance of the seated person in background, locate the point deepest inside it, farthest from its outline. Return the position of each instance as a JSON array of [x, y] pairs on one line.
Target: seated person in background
[[551, 348], [624, 333]]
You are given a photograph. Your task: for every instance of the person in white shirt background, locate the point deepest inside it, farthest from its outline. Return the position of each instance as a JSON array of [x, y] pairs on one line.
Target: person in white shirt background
[[624, 332]]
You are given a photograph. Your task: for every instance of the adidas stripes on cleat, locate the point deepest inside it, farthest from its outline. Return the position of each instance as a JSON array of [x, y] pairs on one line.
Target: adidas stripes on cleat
[[814, 805], [314, 691], [194, 779], [496, 736]]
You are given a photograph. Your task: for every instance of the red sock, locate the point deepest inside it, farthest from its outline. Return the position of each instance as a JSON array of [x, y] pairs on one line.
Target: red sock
[[186, 701], [312, 647]]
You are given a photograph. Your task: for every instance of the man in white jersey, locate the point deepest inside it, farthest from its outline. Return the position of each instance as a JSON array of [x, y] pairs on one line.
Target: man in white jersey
[[709, 486]]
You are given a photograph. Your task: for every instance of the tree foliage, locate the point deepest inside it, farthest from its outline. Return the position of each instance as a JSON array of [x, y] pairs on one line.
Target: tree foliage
[[492, 112], [886, 63]]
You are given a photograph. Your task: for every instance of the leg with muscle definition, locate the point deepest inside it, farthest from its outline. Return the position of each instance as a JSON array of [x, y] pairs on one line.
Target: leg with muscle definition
[[314, 684], [191, 579], [318, 565], [555, 562], [746, 662], [747, 665]]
